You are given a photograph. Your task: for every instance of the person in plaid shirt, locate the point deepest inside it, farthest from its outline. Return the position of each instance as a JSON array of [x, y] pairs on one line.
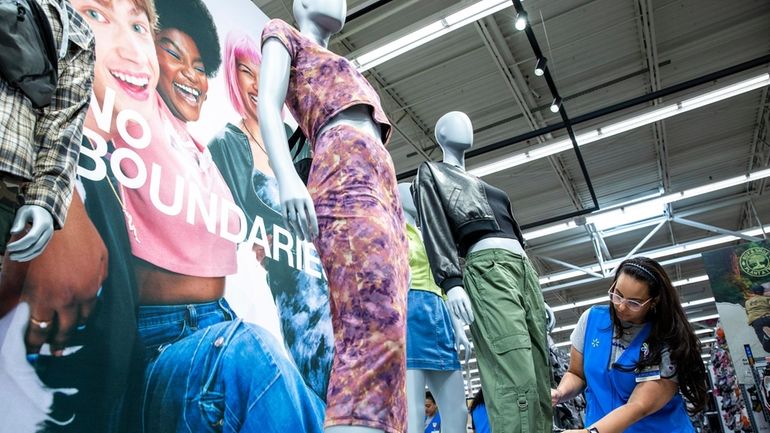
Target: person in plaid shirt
[[39, 148]]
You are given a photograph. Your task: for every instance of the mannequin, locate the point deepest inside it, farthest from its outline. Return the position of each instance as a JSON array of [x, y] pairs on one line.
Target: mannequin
[[446, 385], [350, 209], [497, 292]]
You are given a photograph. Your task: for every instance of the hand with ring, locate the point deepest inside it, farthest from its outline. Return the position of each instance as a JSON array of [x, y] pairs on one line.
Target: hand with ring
[[61, 284]]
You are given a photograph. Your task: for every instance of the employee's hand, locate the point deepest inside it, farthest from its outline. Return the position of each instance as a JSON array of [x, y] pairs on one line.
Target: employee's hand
[[555, 397]]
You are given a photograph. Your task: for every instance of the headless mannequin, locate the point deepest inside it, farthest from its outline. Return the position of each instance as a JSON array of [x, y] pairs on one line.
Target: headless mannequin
[[318, 20], [37, 237], [454, 134], [446, 386]]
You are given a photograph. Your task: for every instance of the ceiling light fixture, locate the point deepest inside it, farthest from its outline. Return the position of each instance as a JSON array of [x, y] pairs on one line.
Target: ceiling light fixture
[[540, 66], [620, 126], [521, 20], [427, 33], [556, 104]]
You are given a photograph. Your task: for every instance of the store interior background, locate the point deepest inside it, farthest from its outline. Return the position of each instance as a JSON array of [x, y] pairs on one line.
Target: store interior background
[[600, 53]]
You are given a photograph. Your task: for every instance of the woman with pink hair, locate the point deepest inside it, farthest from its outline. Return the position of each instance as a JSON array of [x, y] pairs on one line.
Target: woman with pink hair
[[301, 298]]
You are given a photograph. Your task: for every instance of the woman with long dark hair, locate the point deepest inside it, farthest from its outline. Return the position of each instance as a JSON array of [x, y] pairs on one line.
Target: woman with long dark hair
[[627, 357]]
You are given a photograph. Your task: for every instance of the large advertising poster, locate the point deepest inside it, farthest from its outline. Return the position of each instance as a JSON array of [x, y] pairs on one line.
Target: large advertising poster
[[177, 190], [740, 279]]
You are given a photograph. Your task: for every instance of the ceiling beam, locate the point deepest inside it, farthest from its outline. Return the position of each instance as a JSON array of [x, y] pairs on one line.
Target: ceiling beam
[[759, 153], [649, 47]]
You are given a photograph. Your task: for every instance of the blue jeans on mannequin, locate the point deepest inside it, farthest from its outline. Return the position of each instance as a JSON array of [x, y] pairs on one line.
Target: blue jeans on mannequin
[[208, 371]]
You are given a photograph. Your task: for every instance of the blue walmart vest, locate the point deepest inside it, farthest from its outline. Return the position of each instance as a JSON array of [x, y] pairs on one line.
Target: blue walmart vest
[[610, 388]]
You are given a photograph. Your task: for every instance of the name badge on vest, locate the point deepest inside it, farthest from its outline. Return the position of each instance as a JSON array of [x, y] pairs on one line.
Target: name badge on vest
[[648, 374]]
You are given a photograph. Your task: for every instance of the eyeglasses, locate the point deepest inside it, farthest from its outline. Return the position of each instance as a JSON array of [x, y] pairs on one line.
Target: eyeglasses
[[631, 304]]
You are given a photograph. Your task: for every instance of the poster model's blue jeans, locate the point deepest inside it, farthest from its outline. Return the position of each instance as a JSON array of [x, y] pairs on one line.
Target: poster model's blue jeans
[[208, 371]]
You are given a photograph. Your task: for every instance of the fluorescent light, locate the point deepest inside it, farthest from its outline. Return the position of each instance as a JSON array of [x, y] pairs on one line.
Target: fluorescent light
[[549, 230], [642, 119], [692, 280], [626, 215], [428, 33], [703, 318], [564, 328], [698, 302], [592, 301]]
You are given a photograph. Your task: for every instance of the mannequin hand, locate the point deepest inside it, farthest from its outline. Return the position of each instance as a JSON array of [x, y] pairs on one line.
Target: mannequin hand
[[459, 304], [35, 240], [461, 340], [297, 206]]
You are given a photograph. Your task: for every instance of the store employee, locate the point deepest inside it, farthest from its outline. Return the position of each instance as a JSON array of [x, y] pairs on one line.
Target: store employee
[[625, 356]]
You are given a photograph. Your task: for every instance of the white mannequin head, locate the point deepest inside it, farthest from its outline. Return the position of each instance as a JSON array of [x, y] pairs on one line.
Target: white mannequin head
[[327, 15], [454, 132]]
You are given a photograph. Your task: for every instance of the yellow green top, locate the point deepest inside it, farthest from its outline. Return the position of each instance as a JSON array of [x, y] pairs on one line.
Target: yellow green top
[[422, 278]]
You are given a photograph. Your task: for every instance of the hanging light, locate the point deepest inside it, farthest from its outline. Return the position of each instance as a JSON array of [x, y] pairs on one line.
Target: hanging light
[[556, 104], [521, 20], [540, 66]]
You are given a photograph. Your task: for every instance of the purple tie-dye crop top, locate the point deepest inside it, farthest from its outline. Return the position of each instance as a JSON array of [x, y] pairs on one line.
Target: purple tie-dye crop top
[[322, 84]]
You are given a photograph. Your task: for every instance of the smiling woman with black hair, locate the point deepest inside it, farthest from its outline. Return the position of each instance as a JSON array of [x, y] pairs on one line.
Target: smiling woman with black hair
[[626, 355], [188, 53]]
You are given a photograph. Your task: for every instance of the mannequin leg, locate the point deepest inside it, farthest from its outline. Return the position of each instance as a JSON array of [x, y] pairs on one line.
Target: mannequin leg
[[448, 389], [415, 400]]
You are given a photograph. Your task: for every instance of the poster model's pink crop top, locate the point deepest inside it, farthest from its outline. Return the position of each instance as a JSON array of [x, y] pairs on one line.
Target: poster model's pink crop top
[[184, 172], [322, 84]]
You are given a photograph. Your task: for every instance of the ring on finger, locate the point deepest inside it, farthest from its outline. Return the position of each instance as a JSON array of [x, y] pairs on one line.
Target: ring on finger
[[42, 324]]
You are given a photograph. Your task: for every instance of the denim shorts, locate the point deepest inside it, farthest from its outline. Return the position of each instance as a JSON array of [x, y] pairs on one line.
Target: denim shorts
[[208, 371], [430, 338]]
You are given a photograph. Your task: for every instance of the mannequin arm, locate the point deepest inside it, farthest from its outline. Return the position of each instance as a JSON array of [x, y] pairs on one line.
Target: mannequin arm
[[437, 234], [35, 240], [460, 305], [297, 206], [461, 340]]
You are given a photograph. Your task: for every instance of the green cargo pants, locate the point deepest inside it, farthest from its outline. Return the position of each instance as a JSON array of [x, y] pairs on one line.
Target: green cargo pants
[[509, 334]]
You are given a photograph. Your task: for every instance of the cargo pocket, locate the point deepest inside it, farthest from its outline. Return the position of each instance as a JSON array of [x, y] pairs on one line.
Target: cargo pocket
[[515, 382]]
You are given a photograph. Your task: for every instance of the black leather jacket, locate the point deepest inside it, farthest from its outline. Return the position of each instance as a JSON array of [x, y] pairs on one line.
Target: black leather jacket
[[451, 204]]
